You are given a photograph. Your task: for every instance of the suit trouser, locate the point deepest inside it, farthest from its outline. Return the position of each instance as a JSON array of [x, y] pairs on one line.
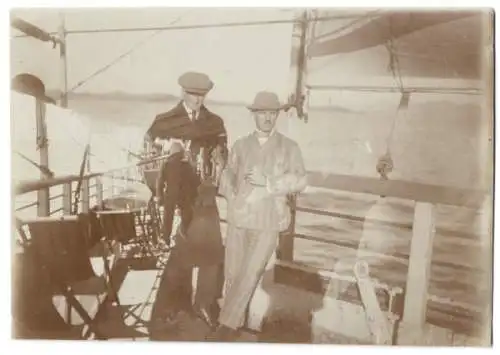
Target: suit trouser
[[247, 254], [182, 183]]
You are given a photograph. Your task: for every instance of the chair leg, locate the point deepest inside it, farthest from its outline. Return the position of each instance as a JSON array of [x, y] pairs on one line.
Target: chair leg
[[73, 302], [152, 222], [108, 274], [144, 238]]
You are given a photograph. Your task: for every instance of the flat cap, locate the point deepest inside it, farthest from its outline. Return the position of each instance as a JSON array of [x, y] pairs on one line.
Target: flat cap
[[195, 83]]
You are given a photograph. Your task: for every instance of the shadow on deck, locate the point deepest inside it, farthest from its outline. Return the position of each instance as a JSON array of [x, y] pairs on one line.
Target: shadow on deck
[[143, 285]]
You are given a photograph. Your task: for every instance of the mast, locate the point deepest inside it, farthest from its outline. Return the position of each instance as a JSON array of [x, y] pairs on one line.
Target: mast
[[63, 61], [298, 63], [43, 195]]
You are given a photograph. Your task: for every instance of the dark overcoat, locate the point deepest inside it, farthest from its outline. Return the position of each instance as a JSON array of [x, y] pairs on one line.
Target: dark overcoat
[[206, 131]]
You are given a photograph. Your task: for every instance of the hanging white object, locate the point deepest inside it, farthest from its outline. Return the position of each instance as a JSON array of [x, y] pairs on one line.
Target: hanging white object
[[385, 163]]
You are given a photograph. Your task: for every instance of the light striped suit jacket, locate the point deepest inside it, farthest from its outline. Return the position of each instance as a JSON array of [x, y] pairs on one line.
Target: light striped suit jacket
[[262, 208]]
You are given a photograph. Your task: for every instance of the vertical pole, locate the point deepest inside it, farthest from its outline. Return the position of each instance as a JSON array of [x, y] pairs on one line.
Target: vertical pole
[[67, 198], [85, 195], [286, 238], [44, 193], [63, 61], [98, 190], [298, 60], [419, 270], [89, 156]]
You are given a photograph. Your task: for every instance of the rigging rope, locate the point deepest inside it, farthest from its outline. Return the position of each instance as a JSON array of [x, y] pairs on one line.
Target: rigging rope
[[120, 57], [385, 163], [105, 68], [202, 26], [394, 66], [45, 170]]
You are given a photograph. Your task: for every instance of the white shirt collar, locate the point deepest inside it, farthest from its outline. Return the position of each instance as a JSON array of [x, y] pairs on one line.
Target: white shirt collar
[[191, 113], [263, 140]]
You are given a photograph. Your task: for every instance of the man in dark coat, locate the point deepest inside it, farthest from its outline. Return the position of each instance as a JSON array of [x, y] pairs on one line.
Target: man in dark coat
[[200, 140]]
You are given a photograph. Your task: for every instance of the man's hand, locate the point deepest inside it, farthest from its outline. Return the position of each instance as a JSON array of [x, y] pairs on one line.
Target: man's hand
[[255, 177]]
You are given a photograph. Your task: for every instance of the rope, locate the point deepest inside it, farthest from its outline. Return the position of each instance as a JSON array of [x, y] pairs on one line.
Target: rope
[[68, 133], [202, 26], [45, 170], [119, 58], [350, 24], [385, 164]]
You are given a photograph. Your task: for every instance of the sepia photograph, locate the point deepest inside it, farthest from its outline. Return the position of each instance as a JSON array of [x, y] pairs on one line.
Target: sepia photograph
[[252, 174]]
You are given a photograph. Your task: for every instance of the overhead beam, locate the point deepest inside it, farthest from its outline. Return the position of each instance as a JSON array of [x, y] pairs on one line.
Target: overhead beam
[[203, 26], [31, 30], [411, 89]]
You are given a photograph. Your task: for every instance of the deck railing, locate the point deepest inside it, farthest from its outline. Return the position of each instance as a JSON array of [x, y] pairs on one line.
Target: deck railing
[[426, 198], [94, 188], [97, 186]]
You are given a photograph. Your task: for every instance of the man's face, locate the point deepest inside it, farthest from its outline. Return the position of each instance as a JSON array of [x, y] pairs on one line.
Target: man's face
[[265, 120], [192, 101]]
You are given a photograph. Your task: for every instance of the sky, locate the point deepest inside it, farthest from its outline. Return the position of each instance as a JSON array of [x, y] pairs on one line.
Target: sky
[[240, 60]]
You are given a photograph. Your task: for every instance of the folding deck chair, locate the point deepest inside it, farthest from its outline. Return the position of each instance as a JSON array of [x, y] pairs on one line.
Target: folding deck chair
[[61, 246], [125, 226]]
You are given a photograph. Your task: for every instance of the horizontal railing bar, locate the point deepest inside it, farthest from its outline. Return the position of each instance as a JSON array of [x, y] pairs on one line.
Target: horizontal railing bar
[[55, 196], [55, 211], [439, 230], [48, 219], [123, 178], [400, 257], [355, 184], [406, 190], [353, 218], [32, 204], [325, 240], [23, 187]]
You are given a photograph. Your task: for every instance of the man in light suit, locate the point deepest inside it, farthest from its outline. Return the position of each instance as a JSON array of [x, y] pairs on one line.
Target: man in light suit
[[263, 169]]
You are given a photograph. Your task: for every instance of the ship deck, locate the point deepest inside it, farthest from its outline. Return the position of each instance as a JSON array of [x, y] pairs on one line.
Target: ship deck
[[142, 284]]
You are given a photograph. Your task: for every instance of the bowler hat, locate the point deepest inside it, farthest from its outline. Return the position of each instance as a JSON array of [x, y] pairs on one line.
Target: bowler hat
[[195, 83], [265, 101], [31, 85]]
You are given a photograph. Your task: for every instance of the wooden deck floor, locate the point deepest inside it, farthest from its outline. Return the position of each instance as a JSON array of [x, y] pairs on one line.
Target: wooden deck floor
[[142, 286]]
